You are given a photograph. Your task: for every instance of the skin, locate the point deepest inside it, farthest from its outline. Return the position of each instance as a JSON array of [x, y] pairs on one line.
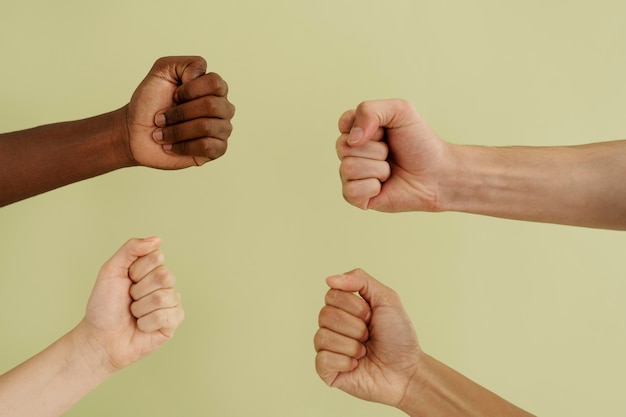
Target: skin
[[178, 117], [392, 161], [133, 309], [367, 346]]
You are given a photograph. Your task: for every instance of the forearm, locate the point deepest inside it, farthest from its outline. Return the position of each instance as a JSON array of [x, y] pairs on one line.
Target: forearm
[[52, 381], [41, 159], [437, 390], [578, 185]]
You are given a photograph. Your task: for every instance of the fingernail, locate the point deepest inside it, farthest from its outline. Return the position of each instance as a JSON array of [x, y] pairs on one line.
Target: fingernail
[[356, 134], [363, 351], [157, 135], [150, 239], [159, 119], [368, 317], [168, 147]]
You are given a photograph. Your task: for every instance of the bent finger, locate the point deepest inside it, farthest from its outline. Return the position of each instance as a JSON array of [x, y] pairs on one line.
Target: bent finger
[[333, 342], [145, 264], [359, 192], [202, 150], [346, 121], [205, 85], [166, 321], [348, 302], [194, 129], [203, 107], [341, 322], [159, 278], [160, 299], [374, 149], [372, 115], [130, 251], [329, 364], [352, 168]]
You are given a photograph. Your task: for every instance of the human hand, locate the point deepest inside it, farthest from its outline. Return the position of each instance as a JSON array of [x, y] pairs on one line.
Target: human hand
[[134, 307], [179, 116], [366, 346], [391, 160]]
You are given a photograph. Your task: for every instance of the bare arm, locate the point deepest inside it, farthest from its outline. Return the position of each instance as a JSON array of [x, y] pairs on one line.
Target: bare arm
[[438, 390], [49, 383], [392, 161], [367, 346], [178, 117], [134, 308], [578, 185], [47, 157]]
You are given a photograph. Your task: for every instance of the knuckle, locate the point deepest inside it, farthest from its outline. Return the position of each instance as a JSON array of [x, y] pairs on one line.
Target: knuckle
[[159, 257], [211, 104], [200, 60], [349, 167], [165, 278], [159, 298], [206, 127], [213, 149], [331, 297], [364, 107], [404, 104], [163, 318], [350, 192], [214, 81], [319, 340], [324, 318], [322, 362], [341, 147], [228, 129]]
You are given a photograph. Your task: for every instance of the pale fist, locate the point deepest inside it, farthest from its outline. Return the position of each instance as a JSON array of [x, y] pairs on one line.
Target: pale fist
[[134, 307], [366, 344], [390, 159]]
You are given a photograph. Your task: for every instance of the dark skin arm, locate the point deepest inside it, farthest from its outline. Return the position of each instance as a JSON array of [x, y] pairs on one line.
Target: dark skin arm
[[178, 117]]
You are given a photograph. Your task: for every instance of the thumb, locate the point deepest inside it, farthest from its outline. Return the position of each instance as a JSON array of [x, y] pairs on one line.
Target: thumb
[[365, 122], [179, 69], [373, 292], [371, 115], [132, 250]]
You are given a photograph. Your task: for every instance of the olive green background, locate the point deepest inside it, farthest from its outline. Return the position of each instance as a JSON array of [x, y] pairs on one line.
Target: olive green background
[[534, 312]]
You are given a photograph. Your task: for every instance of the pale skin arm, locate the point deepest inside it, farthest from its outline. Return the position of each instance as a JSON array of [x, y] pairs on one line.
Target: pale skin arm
[[367, 346], [178, 117], [392, 161], [134, 308]]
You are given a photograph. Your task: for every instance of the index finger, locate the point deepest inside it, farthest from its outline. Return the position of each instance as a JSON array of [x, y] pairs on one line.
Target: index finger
[[373, 291], [371, 115], [346, 121], [210, 84], [349, 302]]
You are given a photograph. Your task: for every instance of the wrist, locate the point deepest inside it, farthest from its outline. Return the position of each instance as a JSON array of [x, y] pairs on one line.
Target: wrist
[[438, 390], [120, 138], [470, 180], [442, 194], [413, 401], [89, 353]]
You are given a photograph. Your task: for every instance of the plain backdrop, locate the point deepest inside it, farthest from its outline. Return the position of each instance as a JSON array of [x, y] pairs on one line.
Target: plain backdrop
[[534, 312]]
